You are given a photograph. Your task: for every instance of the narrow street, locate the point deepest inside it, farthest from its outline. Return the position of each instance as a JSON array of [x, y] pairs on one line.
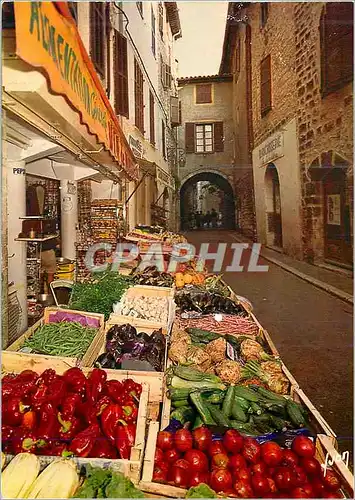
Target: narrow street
[[311, 329]]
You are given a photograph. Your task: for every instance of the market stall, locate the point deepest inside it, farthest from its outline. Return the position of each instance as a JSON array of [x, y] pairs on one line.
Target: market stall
[[181, 393]]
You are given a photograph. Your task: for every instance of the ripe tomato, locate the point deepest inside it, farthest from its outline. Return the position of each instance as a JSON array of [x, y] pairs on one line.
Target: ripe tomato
[[330, 480], [332, 494], [260, 484], [272, 485], [179, 477], [242, 474], [251, 450], [271, 453], [299, 493], [159, 455], [197, 460], [289, 458], [202, 438], [171, 456], [163, 465], [299, 476], [216, 447], [311, 466], [303, 446], [237, 462], [159, 475], [260, 467], [309, 489], [165, 440], [318, 487], [233, 441], [220, 461], [184, 464], [283, 478], [197, 478], [183, 440], [243, 489], [221, 480]]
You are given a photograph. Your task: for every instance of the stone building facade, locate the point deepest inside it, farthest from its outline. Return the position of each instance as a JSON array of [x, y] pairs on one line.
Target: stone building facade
[[293, 117]]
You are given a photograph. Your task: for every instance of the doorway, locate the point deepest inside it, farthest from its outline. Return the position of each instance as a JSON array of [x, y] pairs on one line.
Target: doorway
[[337, 234], [273, 207]]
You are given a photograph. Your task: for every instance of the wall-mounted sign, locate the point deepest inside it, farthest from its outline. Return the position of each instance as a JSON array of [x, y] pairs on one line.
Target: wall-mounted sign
[[67, 204], [271, 149], [19, 171], [49, 41], [71, 188], [164, 178], [136, 147], [333, 210]]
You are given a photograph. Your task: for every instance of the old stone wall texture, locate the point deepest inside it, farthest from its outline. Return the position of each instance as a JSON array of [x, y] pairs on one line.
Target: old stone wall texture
[[292, 37]]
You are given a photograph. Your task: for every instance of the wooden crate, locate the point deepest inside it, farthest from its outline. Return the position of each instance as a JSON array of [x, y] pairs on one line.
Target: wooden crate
[[324, 446], [86, 359], [155, 378], [132, 467]]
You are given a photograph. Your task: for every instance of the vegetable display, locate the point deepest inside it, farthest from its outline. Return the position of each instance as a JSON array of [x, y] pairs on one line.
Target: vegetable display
[[229, 324], [100, 293], [69, 414], [206, 303], [124, 343], [144, 307], [237, 466], [61, 339]]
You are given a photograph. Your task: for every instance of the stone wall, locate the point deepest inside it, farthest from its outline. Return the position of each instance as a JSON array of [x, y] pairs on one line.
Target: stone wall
[[246, 205]]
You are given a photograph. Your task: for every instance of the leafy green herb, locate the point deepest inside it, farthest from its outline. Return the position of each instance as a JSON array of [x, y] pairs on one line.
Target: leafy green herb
[[201, 491]]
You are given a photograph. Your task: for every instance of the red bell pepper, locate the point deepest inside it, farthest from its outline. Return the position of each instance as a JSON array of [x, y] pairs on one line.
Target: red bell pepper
[[103, 449], [27, 376], [69, 405], [47, 377], [39, 397], [7, 438], [132, 388], [12, 412], [29, 420], [56, 449], [101, 404], [24, 440], [48, 423], [83, 442], [124, 439], [96, 379], [114, 390], [130, 413], [76, 381], [57, 391], [68, 428], [109, 420], [16, 389], [87, 413]]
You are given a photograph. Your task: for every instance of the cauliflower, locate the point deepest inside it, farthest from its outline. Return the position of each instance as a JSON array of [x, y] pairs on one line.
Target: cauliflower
[[251, 350], [217, 350], [229, 371]]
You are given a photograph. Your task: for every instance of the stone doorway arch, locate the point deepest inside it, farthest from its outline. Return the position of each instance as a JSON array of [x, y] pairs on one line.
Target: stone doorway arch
[[273, 207]]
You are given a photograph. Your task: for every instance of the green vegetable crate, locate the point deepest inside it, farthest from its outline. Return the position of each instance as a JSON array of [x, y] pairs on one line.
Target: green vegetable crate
[[65, 360], [131, 468]]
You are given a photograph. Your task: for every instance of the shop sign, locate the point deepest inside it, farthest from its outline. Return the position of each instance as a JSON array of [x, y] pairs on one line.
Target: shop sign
[[271, 149], [163, 177], [136, 147], [45, 39], [333, 210], [19, 171]]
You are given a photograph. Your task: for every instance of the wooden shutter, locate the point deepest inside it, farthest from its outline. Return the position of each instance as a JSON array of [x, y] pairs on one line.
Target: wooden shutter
[[98, 35], [153, 32], [265, 85], [218, 137], [138, 97], [161, 19], [189, 137], [163, 139], [204, 93], [336, 36], [174, 111], [121, 75], [152, 118]]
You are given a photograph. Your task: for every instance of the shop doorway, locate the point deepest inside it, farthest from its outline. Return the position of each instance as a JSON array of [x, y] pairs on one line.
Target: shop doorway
[[273, 207], [337, 234]]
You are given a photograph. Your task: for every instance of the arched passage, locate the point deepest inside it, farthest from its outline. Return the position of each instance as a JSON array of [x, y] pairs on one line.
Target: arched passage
[[273, 207], [189, 196]]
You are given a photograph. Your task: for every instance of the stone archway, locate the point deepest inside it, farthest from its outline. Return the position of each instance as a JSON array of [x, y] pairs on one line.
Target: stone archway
[[273, 207], [221, 182]]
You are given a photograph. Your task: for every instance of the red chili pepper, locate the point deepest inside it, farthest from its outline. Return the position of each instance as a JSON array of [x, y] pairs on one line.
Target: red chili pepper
[[75, 380], [29, 420], [114, 389], [96, 379], [48, 425], [109, 420], [124, 439], [130, 413], [47, 377], [39, 397], [12, 412], [68, 428], [103, 448], [24, 440], [83, 442], [57, 390], [132, 388], [7, 434], [101, 404], [69, 405]]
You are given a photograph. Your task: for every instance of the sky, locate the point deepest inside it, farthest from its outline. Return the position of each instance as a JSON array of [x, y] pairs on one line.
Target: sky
[[199, 50]]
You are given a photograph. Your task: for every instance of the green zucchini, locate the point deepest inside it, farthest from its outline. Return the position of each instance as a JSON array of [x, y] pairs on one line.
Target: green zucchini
[[295, 413], [176, 394], [202, 408], [246, 393], [218, 416], [243, 403], [255, 409], [266, 394], [192, 375], [277, 422], [184, 414], [213, 396], [198, 422], [228, 401], [276, 409], [238, 412], [178, 403], [244, 428]]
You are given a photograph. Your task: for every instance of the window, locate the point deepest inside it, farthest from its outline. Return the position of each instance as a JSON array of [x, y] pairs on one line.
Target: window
[[204, 93], [152, 118], [98, 35], [138, 97], [163, 138], [264, 13], [265, 85], [336, 37], [175, 110], [153, 33], [161, 19], [121, 75], [140, 8], [204, 137], [165, 74]]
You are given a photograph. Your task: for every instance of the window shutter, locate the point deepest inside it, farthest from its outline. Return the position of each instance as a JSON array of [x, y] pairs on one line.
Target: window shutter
[[189, 137], [98, 35], [138, 97], [265, 85], [152, 118], [218, 137], [163, 139], [121, 75], [161, 19], [174, 111], [203, 93]]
